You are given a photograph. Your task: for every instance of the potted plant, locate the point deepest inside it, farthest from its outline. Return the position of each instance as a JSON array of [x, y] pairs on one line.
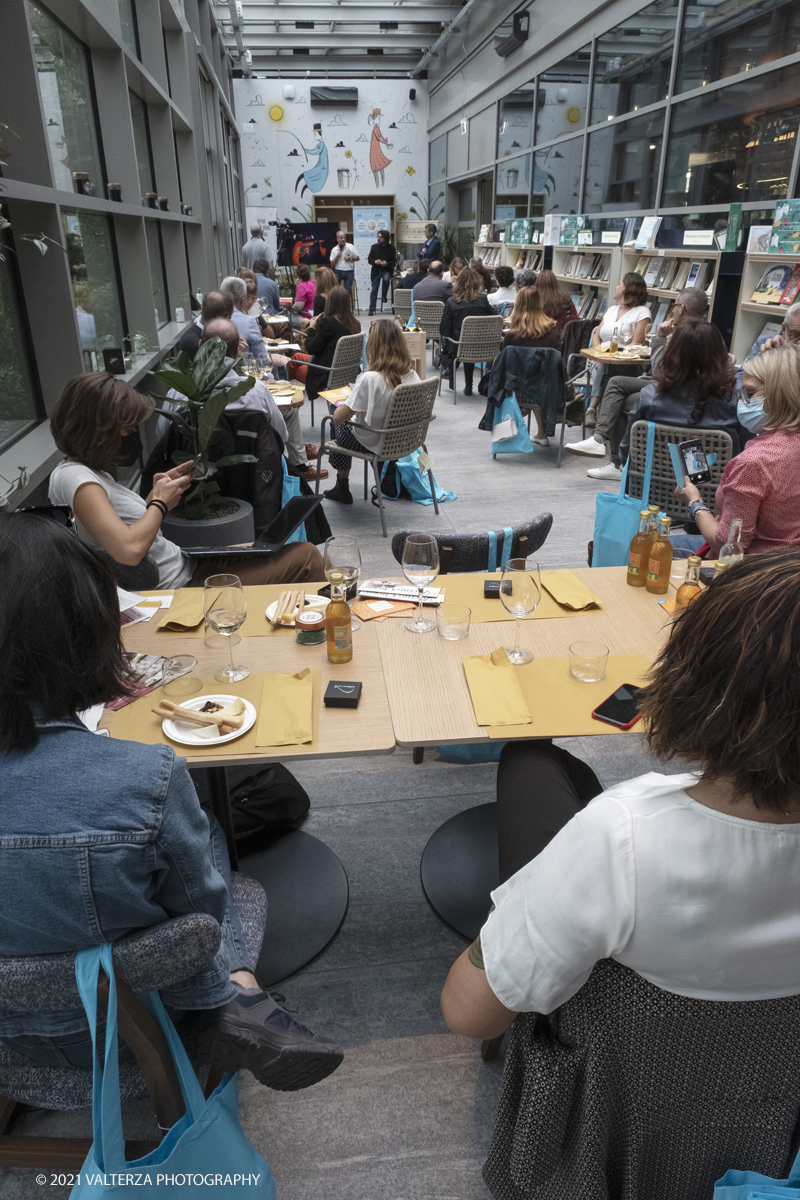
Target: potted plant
[[204, 517]]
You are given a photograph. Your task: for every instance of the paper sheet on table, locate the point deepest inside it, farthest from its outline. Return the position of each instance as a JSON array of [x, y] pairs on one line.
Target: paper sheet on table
[[496, 694], [568, 591], [285, 716], [185, 612], [468, 589]]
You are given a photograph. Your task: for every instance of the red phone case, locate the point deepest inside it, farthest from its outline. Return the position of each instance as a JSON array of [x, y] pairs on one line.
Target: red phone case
[[606, 721]]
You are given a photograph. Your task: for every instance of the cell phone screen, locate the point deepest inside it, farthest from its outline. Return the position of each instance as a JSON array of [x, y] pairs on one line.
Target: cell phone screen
[[622, 708], [694, 460]]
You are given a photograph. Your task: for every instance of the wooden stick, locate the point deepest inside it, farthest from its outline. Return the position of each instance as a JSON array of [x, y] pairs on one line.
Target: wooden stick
[[178, 713], [276, 617]]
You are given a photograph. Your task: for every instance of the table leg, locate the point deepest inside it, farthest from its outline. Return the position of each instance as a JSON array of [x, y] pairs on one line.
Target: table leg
[[220, 805]]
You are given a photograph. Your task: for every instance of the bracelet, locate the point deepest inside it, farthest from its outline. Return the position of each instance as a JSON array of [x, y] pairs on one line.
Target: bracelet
[[696, 507], [158, 504]]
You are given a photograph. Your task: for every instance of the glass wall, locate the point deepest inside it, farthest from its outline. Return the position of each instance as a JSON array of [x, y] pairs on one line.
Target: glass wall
[[557, 178], [129, 27], [66, 89], [562, 97], [633, 62], [437, 160], [622, 164], [18, 406], [721, 38], [141, 138], [158, 276], [515, 121], [90, 254], [512, 187]]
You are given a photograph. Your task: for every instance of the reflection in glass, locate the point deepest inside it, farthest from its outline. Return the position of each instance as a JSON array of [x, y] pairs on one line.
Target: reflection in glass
[[65, 87], [515, 121], [129, 26], [725, 37], [622, 164], [438, 159], [141, 140], [87, 238], [633, 61], [513, 185], [17, 404], [735, 142], [563, 96], [158, 275], [435, 204], [557, 178]]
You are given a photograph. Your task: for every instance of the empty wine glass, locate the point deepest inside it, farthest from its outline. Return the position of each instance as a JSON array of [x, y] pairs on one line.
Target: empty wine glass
[[520, 592], [625, 336], [343, 557], [225, 609], [420, 567]]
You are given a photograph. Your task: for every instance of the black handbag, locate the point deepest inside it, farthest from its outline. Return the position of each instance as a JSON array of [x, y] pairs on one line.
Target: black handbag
[[264, 803]]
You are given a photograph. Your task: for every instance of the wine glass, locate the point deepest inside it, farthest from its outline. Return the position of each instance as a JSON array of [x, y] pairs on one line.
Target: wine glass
[[625, 336], [343, 557], [520, 591], [225, 609], [420, 567]]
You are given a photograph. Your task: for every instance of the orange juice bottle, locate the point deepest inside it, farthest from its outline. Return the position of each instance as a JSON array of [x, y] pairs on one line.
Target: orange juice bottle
[[640, 552], [614, 343], [690, 589], [659, 564]]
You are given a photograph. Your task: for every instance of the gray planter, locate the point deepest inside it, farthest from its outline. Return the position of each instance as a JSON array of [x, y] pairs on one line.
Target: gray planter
[[219, 531]]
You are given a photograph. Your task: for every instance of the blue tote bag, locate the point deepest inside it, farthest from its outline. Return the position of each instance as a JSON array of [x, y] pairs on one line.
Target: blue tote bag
[[291, 487], [205, 1154], [410, 475], [616, 516], [521, 442]]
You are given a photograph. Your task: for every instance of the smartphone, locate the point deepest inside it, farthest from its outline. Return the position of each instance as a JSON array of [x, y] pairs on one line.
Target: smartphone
[[620, 709], [190, 466], [695, 466]]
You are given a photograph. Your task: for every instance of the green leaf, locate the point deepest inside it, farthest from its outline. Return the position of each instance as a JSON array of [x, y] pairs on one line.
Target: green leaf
[[209, 367], [230, 460], [178, 381], [239, 389], [207, 419], [179, 421]]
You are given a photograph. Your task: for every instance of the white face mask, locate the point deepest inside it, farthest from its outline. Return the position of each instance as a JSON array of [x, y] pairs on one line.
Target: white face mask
[[750, 411]]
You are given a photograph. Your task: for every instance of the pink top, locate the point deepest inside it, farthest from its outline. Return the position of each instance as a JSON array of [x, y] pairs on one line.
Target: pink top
[[762, 486], [306, 292]]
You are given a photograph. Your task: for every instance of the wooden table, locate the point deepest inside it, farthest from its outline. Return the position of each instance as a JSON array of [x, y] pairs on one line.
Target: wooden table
[[616, 360]]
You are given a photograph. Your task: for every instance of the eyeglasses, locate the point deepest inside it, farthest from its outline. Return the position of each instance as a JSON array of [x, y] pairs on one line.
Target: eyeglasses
[[752, 393], [62, 514], [791, 332]]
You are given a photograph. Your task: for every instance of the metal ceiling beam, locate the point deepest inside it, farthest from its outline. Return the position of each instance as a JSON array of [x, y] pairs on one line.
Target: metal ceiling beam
[[326, 41], [455, 25], [406, 14]]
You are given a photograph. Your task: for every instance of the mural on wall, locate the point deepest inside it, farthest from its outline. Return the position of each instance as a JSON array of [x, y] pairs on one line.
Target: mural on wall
[[293, 152]]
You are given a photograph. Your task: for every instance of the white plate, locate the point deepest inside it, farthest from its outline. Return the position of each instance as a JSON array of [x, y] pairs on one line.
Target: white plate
[[311, 602], [187, 734]]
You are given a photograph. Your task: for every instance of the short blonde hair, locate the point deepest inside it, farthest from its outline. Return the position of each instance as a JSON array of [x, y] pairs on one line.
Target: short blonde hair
[[779, 371]]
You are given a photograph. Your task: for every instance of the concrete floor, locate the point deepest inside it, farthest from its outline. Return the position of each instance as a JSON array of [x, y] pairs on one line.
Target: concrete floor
[[409, 1114]]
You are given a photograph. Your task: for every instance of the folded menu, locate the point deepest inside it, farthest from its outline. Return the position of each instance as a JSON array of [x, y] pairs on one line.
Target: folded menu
[[185, 612], [336, 395], [567, 590], [285, 716], [495, 690]]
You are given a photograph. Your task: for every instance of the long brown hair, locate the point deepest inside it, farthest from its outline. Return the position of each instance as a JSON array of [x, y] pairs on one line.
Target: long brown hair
[[88, 420], [726, 689], [529, 320], [554, 302], [635, 292], [337, 304], [696, 359], [387, 351], [456, 267], [325, 279], [468, 284]]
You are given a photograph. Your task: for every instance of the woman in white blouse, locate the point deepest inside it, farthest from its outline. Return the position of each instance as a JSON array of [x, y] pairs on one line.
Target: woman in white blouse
[[631, 315], [691, 882]]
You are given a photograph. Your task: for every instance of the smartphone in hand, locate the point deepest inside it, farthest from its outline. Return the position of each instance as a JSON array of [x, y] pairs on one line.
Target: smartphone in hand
[[189, 467], [695, 465]]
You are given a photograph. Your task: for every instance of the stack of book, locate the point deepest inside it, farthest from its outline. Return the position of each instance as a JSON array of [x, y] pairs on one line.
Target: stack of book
[[673, 274], [779, 284], [526, 260], [491, 256], [586, 266], [589, 304]]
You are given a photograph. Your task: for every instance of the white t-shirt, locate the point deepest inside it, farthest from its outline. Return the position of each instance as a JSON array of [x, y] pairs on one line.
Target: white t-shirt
[[699, 903], [629, 319], [173, 569], [369, 401], [503, 295], [342, 257]]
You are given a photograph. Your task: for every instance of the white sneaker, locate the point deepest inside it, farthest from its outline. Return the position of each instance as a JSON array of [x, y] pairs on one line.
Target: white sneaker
[[607, 471], [543, 441], [589, 447]]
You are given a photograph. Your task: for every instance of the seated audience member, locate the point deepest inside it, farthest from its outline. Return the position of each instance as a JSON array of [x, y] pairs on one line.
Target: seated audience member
[[618, 911], [555, 303], [248, 327], [412, 278], [505, 293], [389, 366], [693, 385], [325, 281], [433, 287], [622, 391], [102, 836], [215, 306], [322, 338], [526, 278], [631, 315], [87, 425], [760, 484], [467, 300], [382, 260], [530, 327], [456, 266], [484, 272], [267, 287], [304, 296], [790, 331]]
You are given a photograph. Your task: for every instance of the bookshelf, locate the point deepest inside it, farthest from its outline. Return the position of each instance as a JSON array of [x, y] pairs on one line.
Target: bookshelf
[[751, 317], [660, 261], [523, 257], [585, 273], [490, 252]]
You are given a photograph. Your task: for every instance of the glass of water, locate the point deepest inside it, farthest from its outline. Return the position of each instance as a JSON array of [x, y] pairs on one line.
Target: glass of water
[[588, 661]]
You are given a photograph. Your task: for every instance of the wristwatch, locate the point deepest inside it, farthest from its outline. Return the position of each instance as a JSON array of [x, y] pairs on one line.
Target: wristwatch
[[695, 507]]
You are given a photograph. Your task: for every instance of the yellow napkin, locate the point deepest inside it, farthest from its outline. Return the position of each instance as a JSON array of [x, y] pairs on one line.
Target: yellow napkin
[[496, 694], [285, 716], [185, 612], [567, 589]]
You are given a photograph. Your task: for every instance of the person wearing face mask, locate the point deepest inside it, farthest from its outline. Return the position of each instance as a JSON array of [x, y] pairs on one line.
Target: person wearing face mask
[[762, 484]]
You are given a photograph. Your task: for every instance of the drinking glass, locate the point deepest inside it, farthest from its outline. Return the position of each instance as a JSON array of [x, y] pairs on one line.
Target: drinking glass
[[225, 609], [520, 592], [343, 557], [587, 661], [180, 677], [452, 621], [625, 336], [420, 567]]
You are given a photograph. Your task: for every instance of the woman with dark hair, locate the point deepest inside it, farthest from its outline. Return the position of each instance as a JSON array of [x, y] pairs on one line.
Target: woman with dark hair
[[467, 300], [649, 935], [337, 321], [555, 303], [505, 293], [631, 315], [101, 836], [693, 386], [476, 264], [304, 295]]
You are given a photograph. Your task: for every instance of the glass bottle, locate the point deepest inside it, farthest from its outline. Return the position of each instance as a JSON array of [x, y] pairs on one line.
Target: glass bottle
[[654, 515], [338, 622], [659, 564], [720, 568], [690, 589], [640, 551], [733, 550], [614, 345]]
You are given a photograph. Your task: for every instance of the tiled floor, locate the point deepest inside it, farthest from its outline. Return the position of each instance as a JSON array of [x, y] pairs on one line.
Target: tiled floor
[[409, 1114]]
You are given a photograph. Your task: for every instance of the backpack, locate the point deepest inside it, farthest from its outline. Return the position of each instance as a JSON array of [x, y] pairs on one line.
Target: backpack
[[264, 802]]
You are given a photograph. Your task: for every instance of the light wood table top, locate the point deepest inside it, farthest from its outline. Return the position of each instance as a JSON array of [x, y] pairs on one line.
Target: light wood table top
[[616, 359], [342, 731], [428, 694]]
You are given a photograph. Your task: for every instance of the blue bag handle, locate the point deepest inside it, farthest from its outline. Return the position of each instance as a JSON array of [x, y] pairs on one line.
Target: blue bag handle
[[648, 465], [413, 318], [505, 554], [364, 366]]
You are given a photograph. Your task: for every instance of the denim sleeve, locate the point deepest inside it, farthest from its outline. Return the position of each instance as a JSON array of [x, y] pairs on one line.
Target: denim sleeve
[[639, 412], [187, 880]]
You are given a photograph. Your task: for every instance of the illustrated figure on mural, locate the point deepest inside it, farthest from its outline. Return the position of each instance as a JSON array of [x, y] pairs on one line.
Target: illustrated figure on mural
[[378, 161], [315, 175]]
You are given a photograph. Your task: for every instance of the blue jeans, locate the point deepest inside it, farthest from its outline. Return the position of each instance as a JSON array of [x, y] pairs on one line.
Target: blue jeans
[[345, 278], [684, 544], [385, 277]]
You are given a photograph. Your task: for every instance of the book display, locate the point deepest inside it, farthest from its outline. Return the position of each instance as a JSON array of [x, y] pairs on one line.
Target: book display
[[667, 272], [584, 272], [770, 285]]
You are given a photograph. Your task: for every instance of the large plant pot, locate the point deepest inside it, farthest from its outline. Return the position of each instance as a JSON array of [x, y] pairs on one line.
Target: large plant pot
[[219, 531]]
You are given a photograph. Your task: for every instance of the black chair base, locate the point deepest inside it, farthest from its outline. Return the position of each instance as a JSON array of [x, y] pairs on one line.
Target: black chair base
[[459, 869]]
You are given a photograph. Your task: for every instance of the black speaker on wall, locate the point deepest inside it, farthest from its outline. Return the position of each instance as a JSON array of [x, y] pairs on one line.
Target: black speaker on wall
[[412, 95]]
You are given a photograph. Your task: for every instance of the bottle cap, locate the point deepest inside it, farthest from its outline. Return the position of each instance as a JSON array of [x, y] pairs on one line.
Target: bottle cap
[[664, 520], [644, 513], [694, 560], [653, 508], [309, 618]]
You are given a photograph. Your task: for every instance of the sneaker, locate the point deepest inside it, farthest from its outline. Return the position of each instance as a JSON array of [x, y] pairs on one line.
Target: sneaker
[[607, 471], [588, 447], [543, 441], [254, 1033], [341, 492], [591, 418]]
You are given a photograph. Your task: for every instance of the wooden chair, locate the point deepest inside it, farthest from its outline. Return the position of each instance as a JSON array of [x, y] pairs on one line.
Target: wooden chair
[[662, 480], [479, 343], [345, 366]]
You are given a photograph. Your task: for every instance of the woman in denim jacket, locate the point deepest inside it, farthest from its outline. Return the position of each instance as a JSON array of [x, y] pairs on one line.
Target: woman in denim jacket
[[101, 837]]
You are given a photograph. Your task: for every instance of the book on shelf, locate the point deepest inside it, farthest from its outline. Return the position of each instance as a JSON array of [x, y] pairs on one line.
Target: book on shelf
[[642, 264], [758, 239], [577, 298], [628, 230], [681, 275], [646, 237], [695, 276], [770, 330], [606, 268], [672, 271], [652, 272], [661, 313], [585, 268], [603, 305], [485, 234], [772, 283], [597, 266], [789, 293], [664, 270], [785, 236]]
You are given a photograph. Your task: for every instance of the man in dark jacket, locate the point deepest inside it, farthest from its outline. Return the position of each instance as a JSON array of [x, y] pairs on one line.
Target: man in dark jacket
[[432, 248], [382, 259], [413, 277], [433, 287]]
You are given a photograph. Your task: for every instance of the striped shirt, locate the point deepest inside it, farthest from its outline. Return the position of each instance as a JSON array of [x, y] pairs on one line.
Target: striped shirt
[[762, 486]]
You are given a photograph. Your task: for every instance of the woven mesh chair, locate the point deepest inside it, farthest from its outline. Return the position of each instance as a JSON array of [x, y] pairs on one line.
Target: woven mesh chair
[[402, 304], [463, 552], [345, 365], [479, 343], [149, 960], [428, 317], [408, 416], [662, 480]]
